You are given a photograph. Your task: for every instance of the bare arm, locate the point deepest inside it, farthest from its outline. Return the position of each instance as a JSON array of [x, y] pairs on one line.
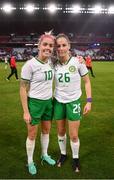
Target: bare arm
[[87, 107], [24, 88], [81, 59]]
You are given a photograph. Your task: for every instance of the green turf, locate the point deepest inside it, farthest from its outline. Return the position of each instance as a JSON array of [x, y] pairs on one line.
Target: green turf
[[96, 133]]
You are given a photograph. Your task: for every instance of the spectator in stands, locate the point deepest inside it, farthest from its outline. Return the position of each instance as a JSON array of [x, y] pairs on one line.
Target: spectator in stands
[[13, 68], [89, 64]]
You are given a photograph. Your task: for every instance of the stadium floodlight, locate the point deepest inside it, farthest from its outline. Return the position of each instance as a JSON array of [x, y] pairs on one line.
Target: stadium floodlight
[[29, 44], [7, 8], [52, 8], [76, 9], [111, 10], [97, 9], [29, 8]]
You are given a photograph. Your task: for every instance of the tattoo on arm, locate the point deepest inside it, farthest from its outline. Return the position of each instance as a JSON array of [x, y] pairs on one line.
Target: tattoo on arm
[[25, 84]]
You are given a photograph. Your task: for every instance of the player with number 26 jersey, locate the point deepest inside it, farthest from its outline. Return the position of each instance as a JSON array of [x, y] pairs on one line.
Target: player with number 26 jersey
[[68, 80]]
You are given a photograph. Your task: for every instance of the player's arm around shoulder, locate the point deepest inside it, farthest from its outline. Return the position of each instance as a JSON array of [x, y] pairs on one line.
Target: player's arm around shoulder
[[24, 88], [81, 59], [87, 107]]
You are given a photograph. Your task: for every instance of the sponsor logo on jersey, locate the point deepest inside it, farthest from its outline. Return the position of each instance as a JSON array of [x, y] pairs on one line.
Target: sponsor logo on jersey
[[38, 69], [72, 69]]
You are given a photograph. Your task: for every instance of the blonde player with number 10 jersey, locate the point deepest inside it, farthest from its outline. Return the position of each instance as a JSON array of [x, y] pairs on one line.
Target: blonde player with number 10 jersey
[[36, 97]]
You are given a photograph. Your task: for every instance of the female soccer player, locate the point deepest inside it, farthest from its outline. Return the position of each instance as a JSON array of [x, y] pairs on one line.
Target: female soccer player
[[67, 105], [36, 97]]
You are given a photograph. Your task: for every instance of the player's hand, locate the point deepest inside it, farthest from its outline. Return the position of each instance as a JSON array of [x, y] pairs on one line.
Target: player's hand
[[27, 117], [87, 108], [81, 59]]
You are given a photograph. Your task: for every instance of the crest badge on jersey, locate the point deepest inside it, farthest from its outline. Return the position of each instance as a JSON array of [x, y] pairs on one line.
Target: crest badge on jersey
[[72, 69]]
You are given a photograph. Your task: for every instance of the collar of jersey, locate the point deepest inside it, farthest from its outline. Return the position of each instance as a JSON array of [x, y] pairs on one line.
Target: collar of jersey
[[41, 61], [66, 61]]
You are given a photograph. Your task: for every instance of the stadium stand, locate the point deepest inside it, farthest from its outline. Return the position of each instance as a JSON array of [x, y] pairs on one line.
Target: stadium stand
[[23, 46]]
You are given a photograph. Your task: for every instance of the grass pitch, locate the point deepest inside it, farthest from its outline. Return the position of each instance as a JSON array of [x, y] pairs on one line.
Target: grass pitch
[[96, 132]]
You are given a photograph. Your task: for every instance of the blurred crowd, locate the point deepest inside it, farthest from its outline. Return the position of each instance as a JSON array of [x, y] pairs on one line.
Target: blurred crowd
[[23, 54], [23, 47], [103, 53], [20, 53]]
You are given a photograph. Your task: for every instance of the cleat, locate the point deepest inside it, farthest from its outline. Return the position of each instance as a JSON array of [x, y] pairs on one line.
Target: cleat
[[76, 165], [48, 159], [32, 168], [61, 160], [7, 79]]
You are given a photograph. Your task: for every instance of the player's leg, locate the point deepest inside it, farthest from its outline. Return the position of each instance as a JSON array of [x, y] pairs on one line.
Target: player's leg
[[92, 72], [59, 116], [35, 112], [73, 111], [12, 72], [61, 129], [30, 146], [75, 143], [16, 75], [45, 130]]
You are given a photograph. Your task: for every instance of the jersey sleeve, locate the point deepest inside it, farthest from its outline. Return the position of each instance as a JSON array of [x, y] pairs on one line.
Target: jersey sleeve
[[82, 69], [26, 72]]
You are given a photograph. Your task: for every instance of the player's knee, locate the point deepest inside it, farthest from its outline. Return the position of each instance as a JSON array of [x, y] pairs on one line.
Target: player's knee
[[46, 130], [32, 136], [74, 138], [61, 131]]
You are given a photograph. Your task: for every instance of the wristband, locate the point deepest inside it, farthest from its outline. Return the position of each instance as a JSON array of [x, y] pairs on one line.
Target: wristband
[[89, 99]]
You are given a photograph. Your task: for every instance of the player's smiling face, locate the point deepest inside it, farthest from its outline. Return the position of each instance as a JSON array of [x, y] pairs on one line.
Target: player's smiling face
[[46, 48], [62, 47]]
